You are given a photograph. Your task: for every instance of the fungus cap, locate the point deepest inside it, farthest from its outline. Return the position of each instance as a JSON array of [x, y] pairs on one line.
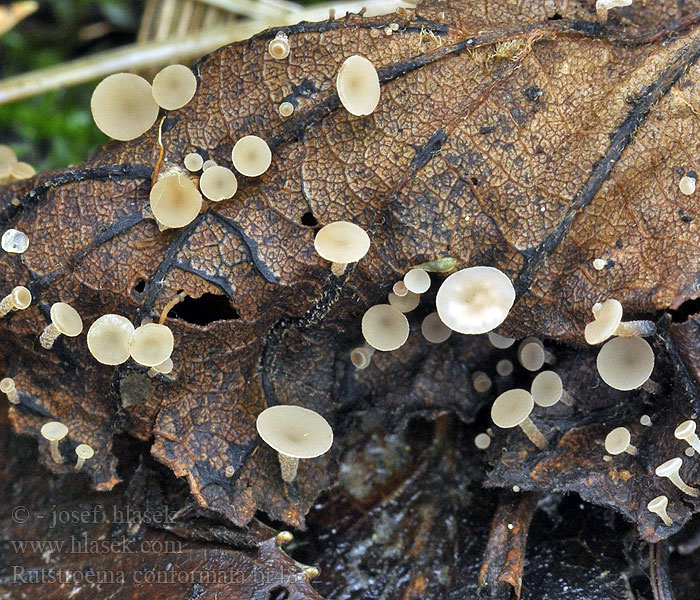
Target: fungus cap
[[54, 431], [417, 281], [617, 441], [7, 159], [669, 467], [342, 242], [405, 303], [84, 451], [66, 319], [547, 389], [22, 170], [499, 341], [511, 408], [208, 164], [295, 431], [286, 109], [475, 300], [193, 162], [218, 183], [251, 156], [175, 200], [687, 185], [358, 86], [531, 354], [608, 316], [151, 344], [385, 328], [123, 106], [504, 367], [685, 429], [174, 86], [15, 241], [279, 46], [434, 330], [658, 504], [625, 363], [482, 441], [22, 297], [108, 339], [7, 384]]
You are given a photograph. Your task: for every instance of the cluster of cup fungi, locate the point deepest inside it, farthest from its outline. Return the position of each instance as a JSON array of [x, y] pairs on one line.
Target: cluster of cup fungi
[[472, 301]]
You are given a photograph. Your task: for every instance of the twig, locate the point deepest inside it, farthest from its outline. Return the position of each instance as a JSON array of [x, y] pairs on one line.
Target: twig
[[658, 571]]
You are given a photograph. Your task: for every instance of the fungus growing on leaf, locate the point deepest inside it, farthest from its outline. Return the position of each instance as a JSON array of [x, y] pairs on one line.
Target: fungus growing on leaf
[[385, 328], [7, 387], [603, 6], [279, 47], [358, 86], [687, 185], [162, 369], [251, 156], [608, 322], [475, 300], [193, 162], [174, 86], [123, 107], [671, 470], [361, 357], [341, 243], [54, 432], [400, 289], [481, 382], [618, 441], [686, 431], [404, 303], [658, 506], [208, 164], [218, 183], [482, 441], [599, 264], [65, 320], [417, 281], [175, 200], [286, 109], [108, 339], [7, 159], [531, 354], [434, 330], [18, 299], [504, 367], [14, 241], [294, 433], [645, 420], [499, 341], [547, 389], [625, 363], [151, 344], [84, 452], [512, 409]]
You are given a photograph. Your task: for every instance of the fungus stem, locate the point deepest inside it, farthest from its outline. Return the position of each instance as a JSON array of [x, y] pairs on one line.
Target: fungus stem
[[176, 299], [288, 466], [638, 328], [651, 387], [49, 336], [7, 387], [681, 485], [338, 268], [79, 463], [531, 431], [567, 398], [631, 449], [55, 454]]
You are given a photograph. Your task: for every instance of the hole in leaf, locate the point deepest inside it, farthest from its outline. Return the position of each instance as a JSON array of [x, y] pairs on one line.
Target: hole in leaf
[[555, 17], [685, 310], [474, 181], [140, 286], [278, 593], [205, 309], [309, 220]]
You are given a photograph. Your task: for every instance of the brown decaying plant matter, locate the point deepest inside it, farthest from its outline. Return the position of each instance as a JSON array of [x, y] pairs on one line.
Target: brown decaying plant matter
[[527, 136]]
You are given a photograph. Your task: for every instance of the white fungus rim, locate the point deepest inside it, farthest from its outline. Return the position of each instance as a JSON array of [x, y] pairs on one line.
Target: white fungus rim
[[295, 431]]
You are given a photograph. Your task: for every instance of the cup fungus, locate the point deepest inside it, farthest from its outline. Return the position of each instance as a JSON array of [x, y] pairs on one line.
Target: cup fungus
[[417, 281], [689, 452], [151, 344], [599, 264], [531, 354], [499, 341], [14, 241], [7, 387], [358, 86], [482, 441], [175, 200], [218, 183], [65, 320], [512, 409], [671, 470], [481, 382], [385, 327], [279, 47], [123, 106], [208, 164], [400, 289], [251, 156], [108, 339], [21, 170], [84, 452], [404, 303], [687, 185], [547, 389], [286, 109], [162, 369], [618, 441], [294, 433], [7, 159], [174, 86], [625, 363], [645, 420], [686, 431], [504, 367], [193, 162], [475, 300], [18, 299], [341, 243], [658, 506], [608, 322], [54, 432], [361, 357], [434, 330]]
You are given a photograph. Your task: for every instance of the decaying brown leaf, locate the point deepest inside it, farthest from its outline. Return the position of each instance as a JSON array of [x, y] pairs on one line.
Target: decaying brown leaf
[[528, 136]]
